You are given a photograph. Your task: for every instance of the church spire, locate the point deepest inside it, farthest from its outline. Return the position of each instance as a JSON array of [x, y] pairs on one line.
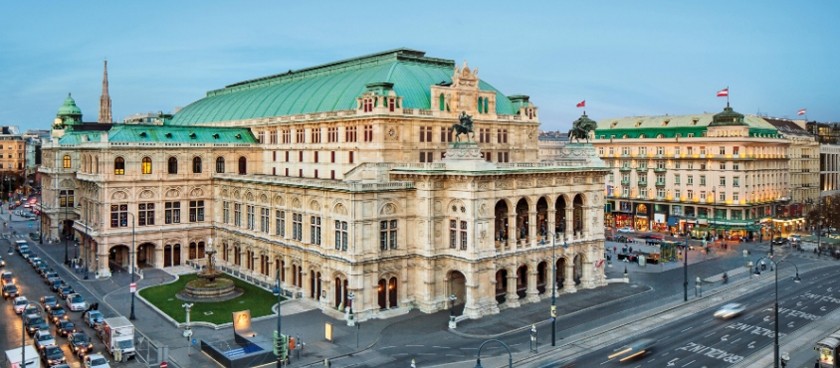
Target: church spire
[[105, 99]]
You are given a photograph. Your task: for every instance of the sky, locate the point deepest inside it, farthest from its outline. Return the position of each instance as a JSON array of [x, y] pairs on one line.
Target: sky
[[625, 58]]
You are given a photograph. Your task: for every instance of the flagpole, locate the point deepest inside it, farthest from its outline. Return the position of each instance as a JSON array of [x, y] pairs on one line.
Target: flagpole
[[727, 96]]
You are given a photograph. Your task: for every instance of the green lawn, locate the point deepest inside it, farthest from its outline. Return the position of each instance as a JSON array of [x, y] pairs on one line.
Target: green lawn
[[256, 299]]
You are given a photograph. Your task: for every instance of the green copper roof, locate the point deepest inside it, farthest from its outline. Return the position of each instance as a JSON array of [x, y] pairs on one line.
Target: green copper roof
[[670, 125], [330, 87], [130, 133], [69, 108], [728, 117]]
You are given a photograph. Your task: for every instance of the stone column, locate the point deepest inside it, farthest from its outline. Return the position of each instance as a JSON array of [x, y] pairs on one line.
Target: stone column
[[569, 282], [102, 269], [570, 217], [532, 228], [511, 298], [512, 231], [532, 293], [550, 224]]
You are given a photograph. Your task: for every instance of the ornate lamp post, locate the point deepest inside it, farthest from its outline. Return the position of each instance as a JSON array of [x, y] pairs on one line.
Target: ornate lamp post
[[131, 257], [685, 264], [796, 279], [452, 299], [279, 293], [23, 335]]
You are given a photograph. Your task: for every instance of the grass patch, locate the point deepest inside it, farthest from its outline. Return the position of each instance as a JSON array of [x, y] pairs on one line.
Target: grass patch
[[256, 299]]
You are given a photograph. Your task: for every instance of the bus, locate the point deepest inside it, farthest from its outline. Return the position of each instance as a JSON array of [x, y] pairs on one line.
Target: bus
[[828, 351]]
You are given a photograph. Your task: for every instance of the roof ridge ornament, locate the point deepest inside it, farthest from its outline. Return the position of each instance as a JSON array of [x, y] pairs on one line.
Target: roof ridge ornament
[[464, 77]]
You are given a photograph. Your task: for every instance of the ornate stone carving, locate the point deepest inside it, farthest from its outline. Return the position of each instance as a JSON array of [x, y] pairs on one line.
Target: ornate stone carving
[[174, 193], [295, 202], [249, 196], [197, 193], [119, 196], [315, 206], [388, 209], [146, 194], [278, 201], [340, 210], [482, 210]]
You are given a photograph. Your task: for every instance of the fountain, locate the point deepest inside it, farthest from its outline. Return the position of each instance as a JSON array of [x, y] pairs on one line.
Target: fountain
[[210, 286]]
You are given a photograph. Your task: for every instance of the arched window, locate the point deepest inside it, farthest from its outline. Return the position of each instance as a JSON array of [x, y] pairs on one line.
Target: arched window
[[220, 165], [442, 102], [480, 105], [486, 104], [119, 166], [146, 165], [66, 161], [172, 165], [196, 165], [242, 165]]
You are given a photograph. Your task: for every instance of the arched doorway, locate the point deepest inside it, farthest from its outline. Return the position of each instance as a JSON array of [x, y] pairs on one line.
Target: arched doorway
[[458, 288], [501, 285], [146, 255], [521, 281], [561, 272], [118, 258], [522, 229], [340, 291], [560, 215], [167, 255], [542, 277], [387, 292], [578, 269], [314, 284], [176, 255], [501, 223]]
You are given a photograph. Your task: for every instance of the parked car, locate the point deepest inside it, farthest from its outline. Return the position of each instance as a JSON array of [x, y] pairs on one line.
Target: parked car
[[30, 309], [93, 317], [730, 310], [10, 291], [80, 343], [65, 328], [53, 356], [7, 278], [50, 275], [65, 290], [56, 284], [49, 301], [76, 303], [96, 361], [35, 322], [20, 303], [57, 314], [626, 229], [780, 241], [43, 338]]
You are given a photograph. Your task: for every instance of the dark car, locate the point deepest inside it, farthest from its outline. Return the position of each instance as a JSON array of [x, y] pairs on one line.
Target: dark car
[[35, 323], [65, 327], [80, 343], [65, 290], [49, 301], [52, 355], [56, 284], [57, 313], [780, 241], [30, 309], [10, 291]]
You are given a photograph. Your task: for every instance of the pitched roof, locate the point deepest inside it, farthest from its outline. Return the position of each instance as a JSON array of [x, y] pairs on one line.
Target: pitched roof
[[137, 133], [329, 87]]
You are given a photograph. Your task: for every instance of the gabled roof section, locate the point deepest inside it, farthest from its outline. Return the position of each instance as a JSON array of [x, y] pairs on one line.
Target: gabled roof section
[[139, 133], [329, 87]]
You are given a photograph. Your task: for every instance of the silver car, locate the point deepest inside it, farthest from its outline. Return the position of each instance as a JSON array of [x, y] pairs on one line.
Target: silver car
[[730, 310]]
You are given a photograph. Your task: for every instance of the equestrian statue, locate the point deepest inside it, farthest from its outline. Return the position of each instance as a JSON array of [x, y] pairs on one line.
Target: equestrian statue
[[464, 126], [581, 128]]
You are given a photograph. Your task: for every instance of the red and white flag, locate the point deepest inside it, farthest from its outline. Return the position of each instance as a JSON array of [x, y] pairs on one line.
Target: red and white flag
[[723, 93], [581, 104], [802, 112]]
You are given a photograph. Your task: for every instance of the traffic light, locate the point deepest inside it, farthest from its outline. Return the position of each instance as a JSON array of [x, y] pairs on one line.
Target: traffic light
[[281, 345]]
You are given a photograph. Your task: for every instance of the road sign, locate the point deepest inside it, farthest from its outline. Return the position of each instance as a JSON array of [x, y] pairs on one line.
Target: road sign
[[194, 341], [133, 287]]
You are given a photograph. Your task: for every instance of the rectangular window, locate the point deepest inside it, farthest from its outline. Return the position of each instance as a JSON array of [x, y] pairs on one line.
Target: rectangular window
[[249, 209], [735, 197], [702, 180], [736, 150], [702, 150], [368, 133], [722, 166], [388, 234], [427, 156], [702, 195], [332, 134], [300, 135], [341, 235], [264, 221], [226, 212], [297, 226], [690, 180], [425, 134], [172, 212], [690, 194], [145, 214], [660, 150], [677, 194], [453, 234], [736, 166], [611, 151], [690, 150], [119, 215], [445, 134], [287, 136], [280, 223], [501, 136], [463, 235], [642, 151], [237, 214], [677, 179], [316, 135], [196, 211], [722, 196], [315, 230], [261, 136], [625, 191], [722, 181], [625, 151], [736, 181], [66, 198], [660, 193], [722, 150], [272, 137], [350, 134]]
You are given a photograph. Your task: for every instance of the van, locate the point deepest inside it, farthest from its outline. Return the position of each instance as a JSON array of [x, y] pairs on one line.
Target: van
[[21, 243]]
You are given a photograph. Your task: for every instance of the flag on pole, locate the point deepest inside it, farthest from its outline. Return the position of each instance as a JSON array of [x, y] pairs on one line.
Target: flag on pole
[[723, 93], [802, 112], [581, 104]]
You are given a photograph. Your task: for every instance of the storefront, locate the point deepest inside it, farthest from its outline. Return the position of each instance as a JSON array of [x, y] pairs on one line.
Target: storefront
[[641, 220]]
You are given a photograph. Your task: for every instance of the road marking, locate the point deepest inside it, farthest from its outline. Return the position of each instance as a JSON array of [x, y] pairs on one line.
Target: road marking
[[415, 346], [751, 345], [686, 329], [734, 341], [724, 338], [441, 347], [709, 334], [387, 347], [689, 363], [672, 362]]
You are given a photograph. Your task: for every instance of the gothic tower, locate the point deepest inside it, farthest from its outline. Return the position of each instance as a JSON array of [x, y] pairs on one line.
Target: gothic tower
[[105, 99]]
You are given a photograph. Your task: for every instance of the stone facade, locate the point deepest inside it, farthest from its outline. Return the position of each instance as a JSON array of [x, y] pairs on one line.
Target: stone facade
[[381, 202]]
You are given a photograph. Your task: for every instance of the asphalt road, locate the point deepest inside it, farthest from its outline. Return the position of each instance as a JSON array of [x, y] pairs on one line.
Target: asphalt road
[[700, 340]]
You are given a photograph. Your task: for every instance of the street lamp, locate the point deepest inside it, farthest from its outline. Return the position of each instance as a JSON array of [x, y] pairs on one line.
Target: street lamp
[[131, 257], [452, 299], [478, 358], [23, 335], [553, 311], [350, 297], [796, 279], [278, 292], [66, 236], [685, 264]]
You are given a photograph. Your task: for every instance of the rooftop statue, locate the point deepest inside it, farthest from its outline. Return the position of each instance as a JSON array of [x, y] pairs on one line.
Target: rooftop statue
[[581, 128], [464, 126]]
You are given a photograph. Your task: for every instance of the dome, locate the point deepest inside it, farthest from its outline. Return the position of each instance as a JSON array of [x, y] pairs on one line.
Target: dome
[[69, 108], [728, 117], [331, 87]]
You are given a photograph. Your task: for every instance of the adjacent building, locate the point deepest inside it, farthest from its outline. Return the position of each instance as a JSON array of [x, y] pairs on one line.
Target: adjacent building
[[348, 178]]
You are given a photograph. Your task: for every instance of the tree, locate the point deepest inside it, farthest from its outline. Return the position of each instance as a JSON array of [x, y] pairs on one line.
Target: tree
[[820, 216]]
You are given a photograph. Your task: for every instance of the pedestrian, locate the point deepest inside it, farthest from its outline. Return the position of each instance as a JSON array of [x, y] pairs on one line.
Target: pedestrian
[[615, 249], [817, 364], [631, 249]]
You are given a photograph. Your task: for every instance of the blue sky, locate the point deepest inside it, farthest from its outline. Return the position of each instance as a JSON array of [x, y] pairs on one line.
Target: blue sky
[[625, 58]]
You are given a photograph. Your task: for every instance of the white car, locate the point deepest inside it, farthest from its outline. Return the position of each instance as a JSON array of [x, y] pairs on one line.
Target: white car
[[43, 338], [96, 361], [76, 302], [20, 303], [626, 229], [730, 310]]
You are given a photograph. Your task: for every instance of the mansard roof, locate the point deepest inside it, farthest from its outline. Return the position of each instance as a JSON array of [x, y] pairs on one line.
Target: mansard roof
[[147, 133], [330, 87], [670, 125]]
